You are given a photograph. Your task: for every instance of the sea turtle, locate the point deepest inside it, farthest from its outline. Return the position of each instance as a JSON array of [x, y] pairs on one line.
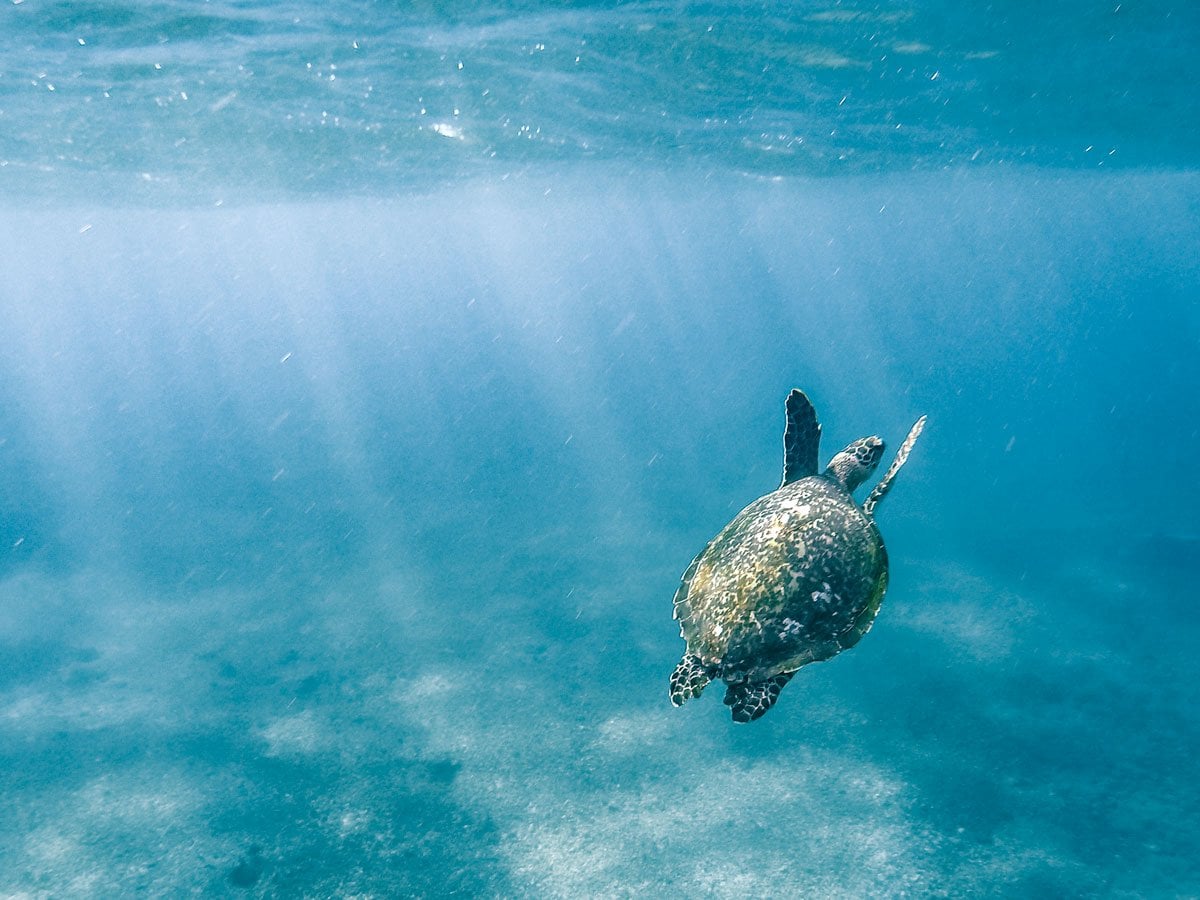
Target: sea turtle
[[795, 578]]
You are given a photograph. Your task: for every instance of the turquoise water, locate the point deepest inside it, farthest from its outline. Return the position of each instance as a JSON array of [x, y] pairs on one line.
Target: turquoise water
[[369, 374], [220, 101]]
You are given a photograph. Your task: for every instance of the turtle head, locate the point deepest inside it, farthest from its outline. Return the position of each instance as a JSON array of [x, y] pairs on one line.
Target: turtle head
[[855, 464]]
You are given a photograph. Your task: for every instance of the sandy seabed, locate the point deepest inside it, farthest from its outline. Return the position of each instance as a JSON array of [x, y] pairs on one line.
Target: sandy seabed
[[1026, 733]]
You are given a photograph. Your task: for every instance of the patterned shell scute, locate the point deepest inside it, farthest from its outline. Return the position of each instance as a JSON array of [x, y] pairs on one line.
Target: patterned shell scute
[[796, 577]]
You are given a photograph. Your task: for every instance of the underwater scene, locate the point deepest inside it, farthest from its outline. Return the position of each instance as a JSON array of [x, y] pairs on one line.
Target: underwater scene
[[372, 372]]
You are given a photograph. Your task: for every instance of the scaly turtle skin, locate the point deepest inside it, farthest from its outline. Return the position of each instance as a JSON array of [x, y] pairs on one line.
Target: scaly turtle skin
[[795, 578]]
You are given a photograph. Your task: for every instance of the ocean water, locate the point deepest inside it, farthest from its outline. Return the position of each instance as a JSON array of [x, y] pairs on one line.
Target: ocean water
[[370, 372]]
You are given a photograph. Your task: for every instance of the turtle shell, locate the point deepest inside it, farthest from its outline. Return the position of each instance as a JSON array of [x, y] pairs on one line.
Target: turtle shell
[[795, 578]]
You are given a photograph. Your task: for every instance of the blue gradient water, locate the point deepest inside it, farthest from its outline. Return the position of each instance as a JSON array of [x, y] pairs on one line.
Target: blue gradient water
[[369, 373]]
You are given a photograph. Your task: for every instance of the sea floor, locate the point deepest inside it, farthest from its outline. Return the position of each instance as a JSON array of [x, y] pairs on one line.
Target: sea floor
[[1011, 725]]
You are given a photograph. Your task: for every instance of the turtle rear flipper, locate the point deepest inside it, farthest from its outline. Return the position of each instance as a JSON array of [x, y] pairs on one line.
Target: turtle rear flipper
[[748, 700], [689, 680]]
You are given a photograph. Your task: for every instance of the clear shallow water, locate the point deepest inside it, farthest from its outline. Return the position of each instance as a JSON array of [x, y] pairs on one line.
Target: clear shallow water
[[341, 520]]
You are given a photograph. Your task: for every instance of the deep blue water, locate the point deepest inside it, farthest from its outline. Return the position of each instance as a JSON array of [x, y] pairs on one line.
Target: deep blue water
[[370, 373]]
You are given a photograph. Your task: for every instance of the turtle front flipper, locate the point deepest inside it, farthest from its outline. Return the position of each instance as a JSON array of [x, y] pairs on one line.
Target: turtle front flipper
[[801, 438], [748, 700], [689, 680], [885, 485]]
